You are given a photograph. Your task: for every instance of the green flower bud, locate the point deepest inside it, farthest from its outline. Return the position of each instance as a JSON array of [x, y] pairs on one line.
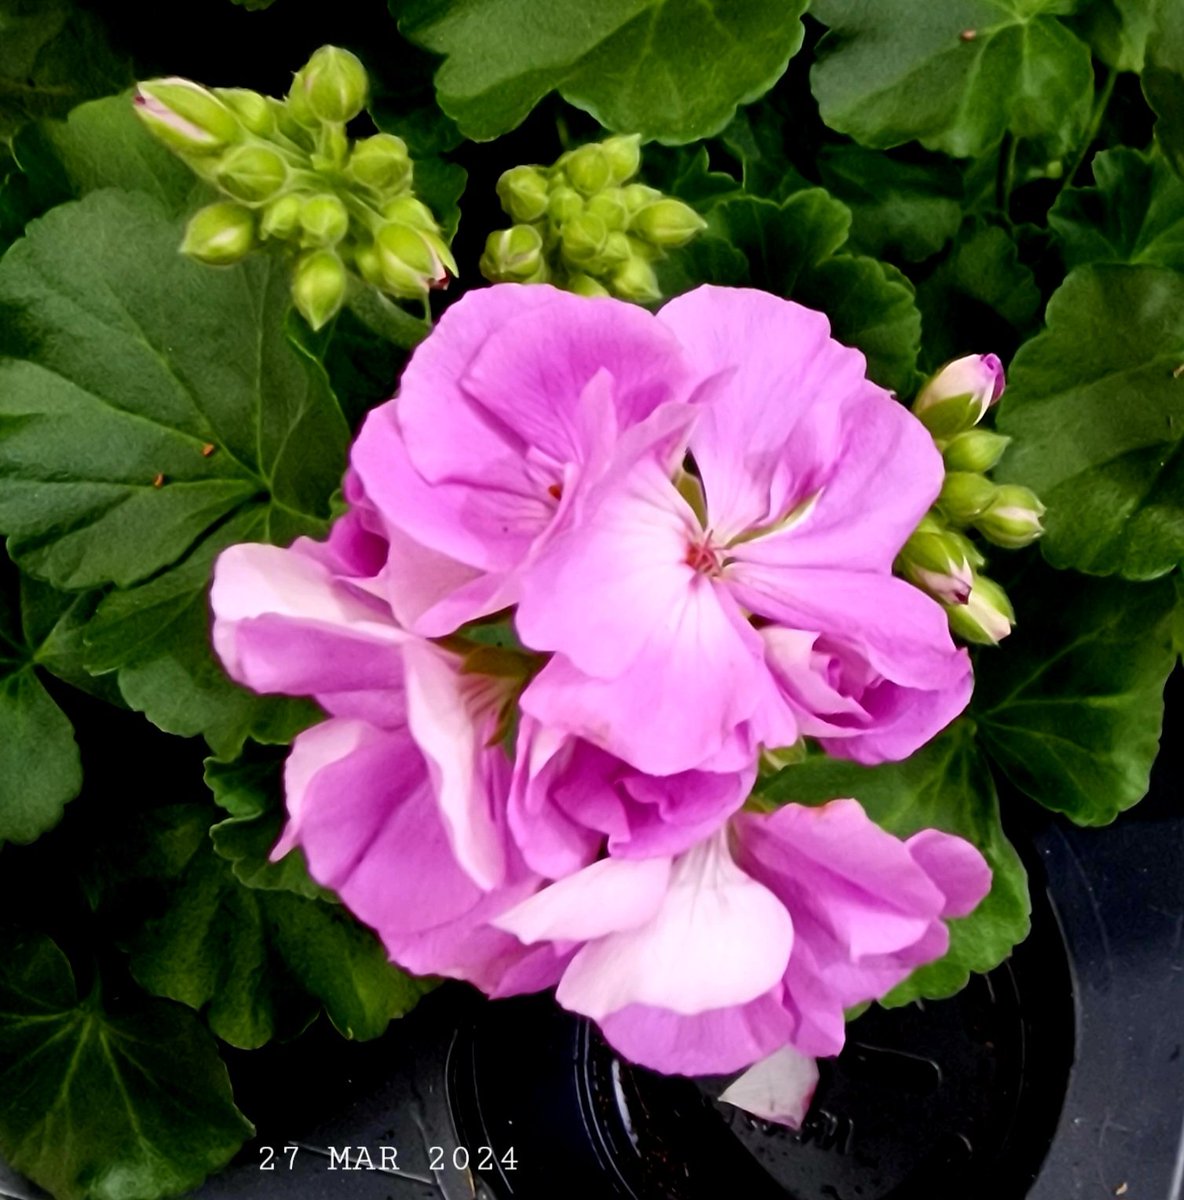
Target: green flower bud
[[412, 261], [253, 110], [281, 217], [636, 196], [975, 450], [515, 255], [609, 206], [667, 223], [617, 248], [937, 563], [987, 616], [624, 156], [564, 205], [964, 495], [324, 219], [524, 193], [588, 168], [635, 280], [958, 396], [219, 234], [406, 210], [583, 238], [185, 116], [334, 83], [369, 264], [380, 163], [585, 285], [1012, 519], [252, 174], [318, 286]]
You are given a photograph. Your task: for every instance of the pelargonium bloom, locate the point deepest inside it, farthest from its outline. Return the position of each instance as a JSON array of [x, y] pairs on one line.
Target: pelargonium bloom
[[756, 938], [686, 629], [517, 403]]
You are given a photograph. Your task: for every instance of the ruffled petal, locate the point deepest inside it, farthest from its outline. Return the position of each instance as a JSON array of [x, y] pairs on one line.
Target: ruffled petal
[[778, 1088]]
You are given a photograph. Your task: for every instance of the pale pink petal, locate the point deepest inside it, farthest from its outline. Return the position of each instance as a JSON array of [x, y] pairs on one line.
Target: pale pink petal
[[778, 1088], [469, 780], [607, 897], [719, 939]]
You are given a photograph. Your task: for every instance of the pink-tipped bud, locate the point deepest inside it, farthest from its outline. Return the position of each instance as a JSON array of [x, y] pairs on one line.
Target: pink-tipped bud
[[958, 396], [1012, 519], [185, 116], [938, 564], [987, 616]]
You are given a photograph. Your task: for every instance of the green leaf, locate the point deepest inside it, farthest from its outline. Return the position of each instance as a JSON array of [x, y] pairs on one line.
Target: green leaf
[[1133, 214], [762, 136], [946, 785], [872, 307], [258, 962], [129, 362], [53, 55], [671, 70], [156, 636], [105, 1105], [790, 248], [979, 298], [1071, 706], [40, 769], [1095, 406], [898, 209], [1163, 79], [1118, 30], [251, 791], [955, 76]]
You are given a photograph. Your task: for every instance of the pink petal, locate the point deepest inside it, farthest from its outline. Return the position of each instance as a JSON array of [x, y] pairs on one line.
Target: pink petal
[[955, 866], [715, 1042], [778, 1088], [607, 897], [775, 426], [718, 940]]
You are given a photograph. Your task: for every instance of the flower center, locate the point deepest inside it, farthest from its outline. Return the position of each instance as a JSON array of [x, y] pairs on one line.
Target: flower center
[[702, 556]]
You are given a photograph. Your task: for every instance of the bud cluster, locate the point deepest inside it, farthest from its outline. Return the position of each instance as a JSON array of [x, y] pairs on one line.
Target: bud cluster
[[292, 177], [940, 557], [583, 224]]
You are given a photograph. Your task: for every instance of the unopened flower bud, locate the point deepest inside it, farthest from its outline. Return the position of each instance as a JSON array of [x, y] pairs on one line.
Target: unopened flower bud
[[609, 206], [412, 260], [975, 450], [186, 116], [524, 193], [318, 286], [667, 223], [219, 234], [1012, 519], [588, 168], [380, 163], [987, 616], [937, 564], [368, 263], [281, 217], [624, 156], [406, 210], [635, 280], [965, 495], [324, 219], [585, 285], [583, 238], [253, 110], [334, 83], [637, 195], [958, 396], [515, 255], [252, 174], [565, 205]]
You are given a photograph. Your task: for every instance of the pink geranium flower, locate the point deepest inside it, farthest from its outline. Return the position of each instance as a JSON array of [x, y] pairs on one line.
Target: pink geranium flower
[[756, 938], [687, 633]]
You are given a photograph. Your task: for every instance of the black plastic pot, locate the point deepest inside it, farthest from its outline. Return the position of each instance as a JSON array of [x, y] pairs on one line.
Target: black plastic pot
[[1058, 1076]]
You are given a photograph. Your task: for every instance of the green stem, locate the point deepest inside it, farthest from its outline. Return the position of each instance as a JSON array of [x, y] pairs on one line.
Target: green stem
[[1005, 180], [383, 317], [1100, 105]]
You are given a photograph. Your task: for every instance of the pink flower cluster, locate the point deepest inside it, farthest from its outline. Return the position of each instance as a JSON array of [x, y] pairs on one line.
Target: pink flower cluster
[[595, 561]]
